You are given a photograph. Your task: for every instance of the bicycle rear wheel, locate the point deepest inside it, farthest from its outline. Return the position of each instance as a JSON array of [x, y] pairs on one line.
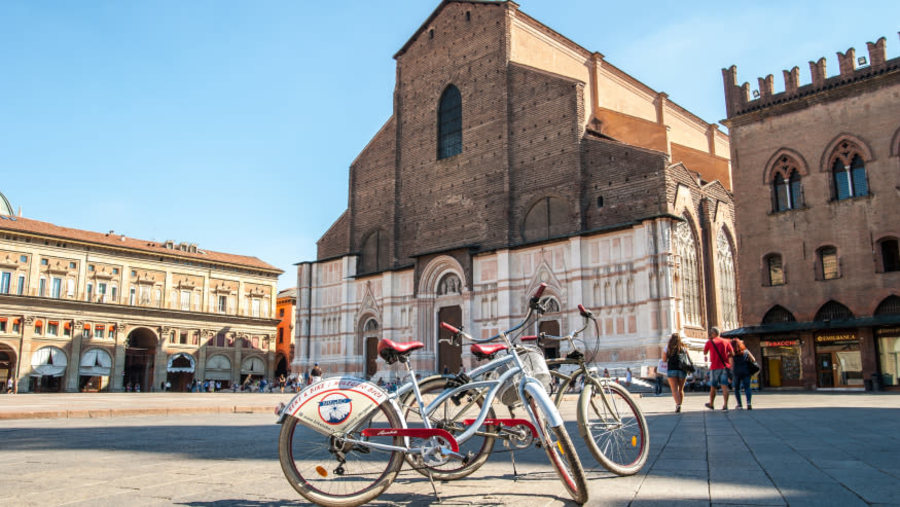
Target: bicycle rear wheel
[[449, 416], [613, 427], [333, 473], [561, 451]]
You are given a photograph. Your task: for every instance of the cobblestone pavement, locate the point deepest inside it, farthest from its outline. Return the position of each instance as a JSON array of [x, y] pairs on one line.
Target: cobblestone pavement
[[792, 449]]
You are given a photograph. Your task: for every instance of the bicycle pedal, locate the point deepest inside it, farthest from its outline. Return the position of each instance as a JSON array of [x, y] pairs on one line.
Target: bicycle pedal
[[468, 458]]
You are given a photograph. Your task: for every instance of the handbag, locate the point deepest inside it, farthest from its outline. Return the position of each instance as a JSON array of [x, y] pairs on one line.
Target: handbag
[[684, 359], [662, 367], [752, 367]]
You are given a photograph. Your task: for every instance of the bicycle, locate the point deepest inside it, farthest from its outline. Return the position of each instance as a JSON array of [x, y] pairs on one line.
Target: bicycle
[[331, 446], [610, 422]]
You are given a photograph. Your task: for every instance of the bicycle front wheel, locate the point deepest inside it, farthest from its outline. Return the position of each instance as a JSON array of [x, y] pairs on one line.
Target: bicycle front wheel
[[561, 451], [331, 472], [613, 427]]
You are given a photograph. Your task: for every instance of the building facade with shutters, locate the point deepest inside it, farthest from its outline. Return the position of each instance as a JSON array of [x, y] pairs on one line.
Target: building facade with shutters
[[88, 311], [286, 313], [816, 179], [516, 157]]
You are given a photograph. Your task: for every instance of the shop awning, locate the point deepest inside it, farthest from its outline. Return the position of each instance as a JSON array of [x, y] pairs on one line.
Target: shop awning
[[48, 361], [795, 327], [95, 363], [253, 366], [218, 367], [181, 363]]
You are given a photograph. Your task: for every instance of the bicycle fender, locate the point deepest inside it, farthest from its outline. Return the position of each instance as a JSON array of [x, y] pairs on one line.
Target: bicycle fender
[[537, 391], [336, 404]]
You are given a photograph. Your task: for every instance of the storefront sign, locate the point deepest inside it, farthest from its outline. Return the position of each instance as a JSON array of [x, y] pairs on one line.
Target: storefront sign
[[832, 338], [780, 343], [888, 331]]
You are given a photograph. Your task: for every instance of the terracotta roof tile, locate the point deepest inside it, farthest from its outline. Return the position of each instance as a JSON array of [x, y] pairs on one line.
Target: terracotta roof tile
[[20, 224]]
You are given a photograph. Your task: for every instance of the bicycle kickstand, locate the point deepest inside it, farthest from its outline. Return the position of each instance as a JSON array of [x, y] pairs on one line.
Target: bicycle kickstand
[[512, 457], [433, 487]]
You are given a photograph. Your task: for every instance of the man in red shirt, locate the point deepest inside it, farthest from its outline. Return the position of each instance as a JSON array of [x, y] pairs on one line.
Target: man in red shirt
[[718, 351]]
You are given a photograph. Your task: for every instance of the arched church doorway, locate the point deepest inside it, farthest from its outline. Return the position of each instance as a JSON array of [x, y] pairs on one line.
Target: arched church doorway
[[550, 326], [449, 355], [140, 351], [7, 366]]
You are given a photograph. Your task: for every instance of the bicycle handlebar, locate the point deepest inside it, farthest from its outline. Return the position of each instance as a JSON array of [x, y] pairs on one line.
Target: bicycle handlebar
[[534, 305]]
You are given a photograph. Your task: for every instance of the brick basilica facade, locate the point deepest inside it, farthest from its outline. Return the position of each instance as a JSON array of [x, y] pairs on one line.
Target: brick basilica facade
[[816, 179], [514, 157]]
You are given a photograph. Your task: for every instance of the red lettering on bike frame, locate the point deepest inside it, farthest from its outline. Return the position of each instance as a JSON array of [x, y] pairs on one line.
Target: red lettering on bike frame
[[506, 422], [414, 433]]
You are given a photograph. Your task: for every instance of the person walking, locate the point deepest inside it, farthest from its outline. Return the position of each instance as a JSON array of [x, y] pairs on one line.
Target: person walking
[[677, 374], [741, 360], [316, 374], [628, 377], [718, 352]]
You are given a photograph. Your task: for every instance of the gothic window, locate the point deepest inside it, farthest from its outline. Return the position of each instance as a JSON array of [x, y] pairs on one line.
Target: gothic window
[[786, 189], [726, 278], [450, 123], [833, 310], [778, 314], [827, 266], [775, 270], [546, 219], [890, 254], [686, 249], [889, 306], [848, 171]]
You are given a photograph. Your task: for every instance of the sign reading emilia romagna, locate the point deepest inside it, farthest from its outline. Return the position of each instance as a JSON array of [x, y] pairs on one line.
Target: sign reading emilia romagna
[[336, 404]]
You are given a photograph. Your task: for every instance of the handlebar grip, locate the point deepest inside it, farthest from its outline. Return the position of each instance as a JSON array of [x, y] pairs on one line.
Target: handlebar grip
[[450, 328], [539, 291], [584, 312], [528, 338]]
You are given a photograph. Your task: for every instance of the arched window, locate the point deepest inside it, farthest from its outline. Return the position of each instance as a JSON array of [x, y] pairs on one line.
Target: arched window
[[827, 268], [786, 190], [833, 310], [778, 314], [890, 254], [889, 306], [727, 284], [686, 248], [848, 171], [546, 219], [450, 123], [774, 270]]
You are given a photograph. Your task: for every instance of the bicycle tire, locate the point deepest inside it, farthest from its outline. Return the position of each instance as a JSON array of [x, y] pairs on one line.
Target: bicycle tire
[[558, 445], [452, 470], [318, 484], [615, 431]]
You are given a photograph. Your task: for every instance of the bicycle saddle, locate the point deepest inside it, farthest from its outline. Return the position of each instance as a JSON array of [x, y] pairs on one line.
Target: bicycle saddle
[[391, 351], [486, 351]]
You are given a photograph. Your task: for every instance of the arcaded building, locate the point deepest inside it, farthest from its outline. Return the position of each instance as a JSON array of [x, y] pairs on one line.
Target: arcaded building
[[816, 182], [90, 311], [514, 157]]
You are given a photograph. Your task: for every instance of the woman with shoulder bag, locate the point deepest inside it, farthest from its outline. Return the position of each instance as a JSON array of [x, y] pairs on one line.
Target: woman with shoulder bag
[[677, 373], [744, 363]]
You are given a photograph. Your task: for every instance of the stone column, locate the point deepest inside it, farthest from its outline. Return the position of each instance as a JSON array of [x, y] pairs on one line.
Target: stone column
[[72, 373], [238, 357], [117, 370]]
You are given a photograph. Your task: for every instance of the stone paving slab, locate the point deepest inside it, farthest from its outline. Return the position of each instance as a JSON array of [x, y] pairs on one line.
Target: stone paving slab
[[221, 449]]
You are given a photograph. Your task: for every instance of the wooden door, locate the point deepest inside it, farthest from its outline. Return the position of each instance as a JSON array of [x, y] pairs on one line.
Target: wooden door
[[371, 356], [449, 356], [551, 347]]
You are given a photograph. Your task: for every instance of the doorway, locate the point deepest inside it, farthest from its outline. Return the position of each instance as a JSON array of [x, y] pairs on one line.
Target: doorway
[[449, 355], [550, 347], [140, 352], [839, 366], [371, 356], [7, 366]]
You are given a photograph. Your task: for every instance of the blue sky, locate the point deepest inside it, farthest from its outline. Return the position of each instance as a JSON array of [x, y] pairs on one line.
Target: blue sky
[[232, 124]]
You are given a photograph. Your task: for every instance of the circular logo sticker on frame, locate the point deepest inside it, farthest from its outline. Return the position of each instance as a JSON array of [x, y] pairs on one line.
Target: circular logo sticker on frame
[[335, 408]]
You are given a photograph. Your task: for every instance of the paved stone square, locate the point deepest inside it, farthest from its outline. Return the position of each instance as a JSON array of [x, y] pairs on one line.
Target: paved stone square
[[792, 449]]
